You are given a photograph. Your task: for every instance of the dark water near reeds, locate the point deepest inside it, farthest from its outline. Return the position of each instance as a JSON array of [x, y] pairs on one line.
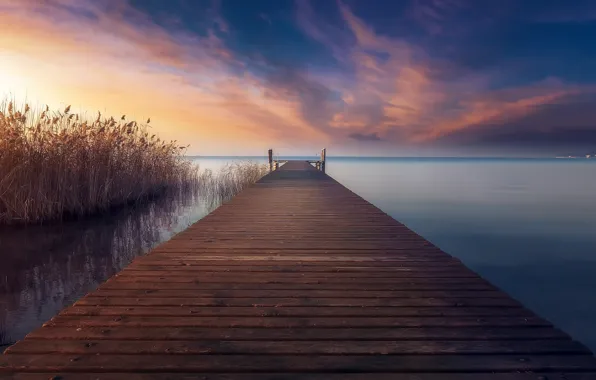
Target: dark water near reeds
[[528, 226], [46, 268]]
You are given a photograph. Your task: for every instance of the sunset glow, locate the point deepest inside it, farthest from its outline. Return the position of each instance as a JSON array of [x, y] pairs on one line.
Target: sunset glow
[[229, 78]]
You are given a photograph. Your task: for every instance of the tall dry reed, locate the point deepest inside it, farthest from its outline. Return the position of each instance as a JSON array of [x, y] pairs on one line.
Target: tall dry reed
[[57, 164], [222, 185]]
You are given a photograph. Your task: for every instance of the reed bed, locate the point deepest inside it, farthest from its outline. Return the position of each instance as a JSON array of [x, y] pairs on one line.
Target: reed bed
[[222, 185], [55, 165]]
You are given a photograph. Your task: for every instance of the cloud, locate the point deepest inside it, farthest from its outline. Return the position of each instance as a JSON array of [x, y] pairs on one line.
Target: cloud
[[570, 121], [218, 20], [102, 31], [316, 101], [500, 106], [394, 89], [376, 84], [113, 57], [365, 137], [330, 35]]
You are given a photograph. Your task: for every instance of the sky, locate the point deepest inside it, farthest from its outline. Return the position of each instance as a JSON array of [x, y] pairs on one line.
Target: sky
[[359, 77]]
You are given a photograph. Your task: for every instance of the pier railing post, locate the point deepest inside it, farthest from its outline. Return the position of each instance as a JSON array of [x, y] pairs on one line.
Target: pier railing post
[[323, 158], [270, 160]]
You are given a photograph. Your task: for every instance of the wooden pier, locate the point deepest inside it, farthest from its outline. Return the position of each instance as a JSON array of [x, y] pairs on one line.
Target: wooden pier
[[297, 277]]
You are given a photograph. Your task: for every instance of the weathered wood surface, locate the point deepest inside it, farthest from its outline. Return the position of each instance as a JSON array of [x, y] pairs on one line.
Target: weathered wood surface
[[298, 277]]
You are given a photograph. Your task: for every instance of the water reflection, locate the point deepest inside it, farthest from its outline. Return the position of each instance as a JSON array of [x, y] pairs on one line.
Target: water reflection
[[46, 268]]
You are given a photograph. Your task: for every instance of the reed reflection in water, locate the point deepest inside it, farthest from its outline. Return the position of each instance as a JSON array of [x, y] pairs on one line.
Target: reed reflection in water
[[46, 268]]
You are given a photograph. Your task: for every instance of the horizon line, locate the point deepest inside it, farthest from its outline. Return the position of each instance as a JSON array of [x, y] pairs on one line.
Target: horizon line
[[401, 157]]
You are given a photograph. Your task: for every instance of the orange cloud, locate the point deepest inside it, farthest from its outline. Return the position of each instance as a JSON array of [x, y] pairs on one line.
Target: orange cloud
[[501, 106]]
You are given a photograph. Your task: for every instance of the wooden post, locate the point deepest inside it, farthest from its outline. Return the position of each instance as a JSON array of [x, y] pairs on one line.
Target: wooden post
[[323, 157], [276, 165], [270, 160]]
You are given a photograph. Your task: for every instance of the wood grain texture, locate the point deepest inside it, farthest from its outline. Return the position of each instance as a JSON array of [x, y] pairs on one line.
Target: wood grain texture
[[310, 376], [297, 277], [297, 363]]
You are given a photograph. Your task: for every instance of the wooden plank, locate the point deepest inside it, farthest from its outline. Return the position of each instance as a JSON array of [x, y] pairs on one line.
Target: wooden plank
[[298, 334], [311, 237], [362, 282], [225, 262], [331, 275], [276, 257], [336, 294], [299, 302], [309, 229], [298, 311], [298, 363], [343, 347], [363, 234], [297, 254], [395, 272], [349, 253], [295, 245], [396, 269], [310, 376], [149, 284], [282, 321]]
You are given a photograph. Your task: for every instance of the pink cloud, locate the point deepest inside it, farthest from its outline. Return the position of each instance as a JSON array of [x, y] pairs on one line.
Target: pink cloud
[[397, 90]]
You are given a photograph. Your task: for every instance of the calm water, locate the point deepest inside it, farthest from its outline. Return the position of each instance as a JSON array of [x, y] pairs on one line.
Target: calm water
[[528, 226], [46, 268]]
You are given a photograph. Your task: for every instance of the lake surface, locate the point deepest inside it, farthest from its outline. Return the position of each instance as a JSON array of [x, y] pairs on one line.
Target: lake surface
[[528, 226], [46, 268]]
